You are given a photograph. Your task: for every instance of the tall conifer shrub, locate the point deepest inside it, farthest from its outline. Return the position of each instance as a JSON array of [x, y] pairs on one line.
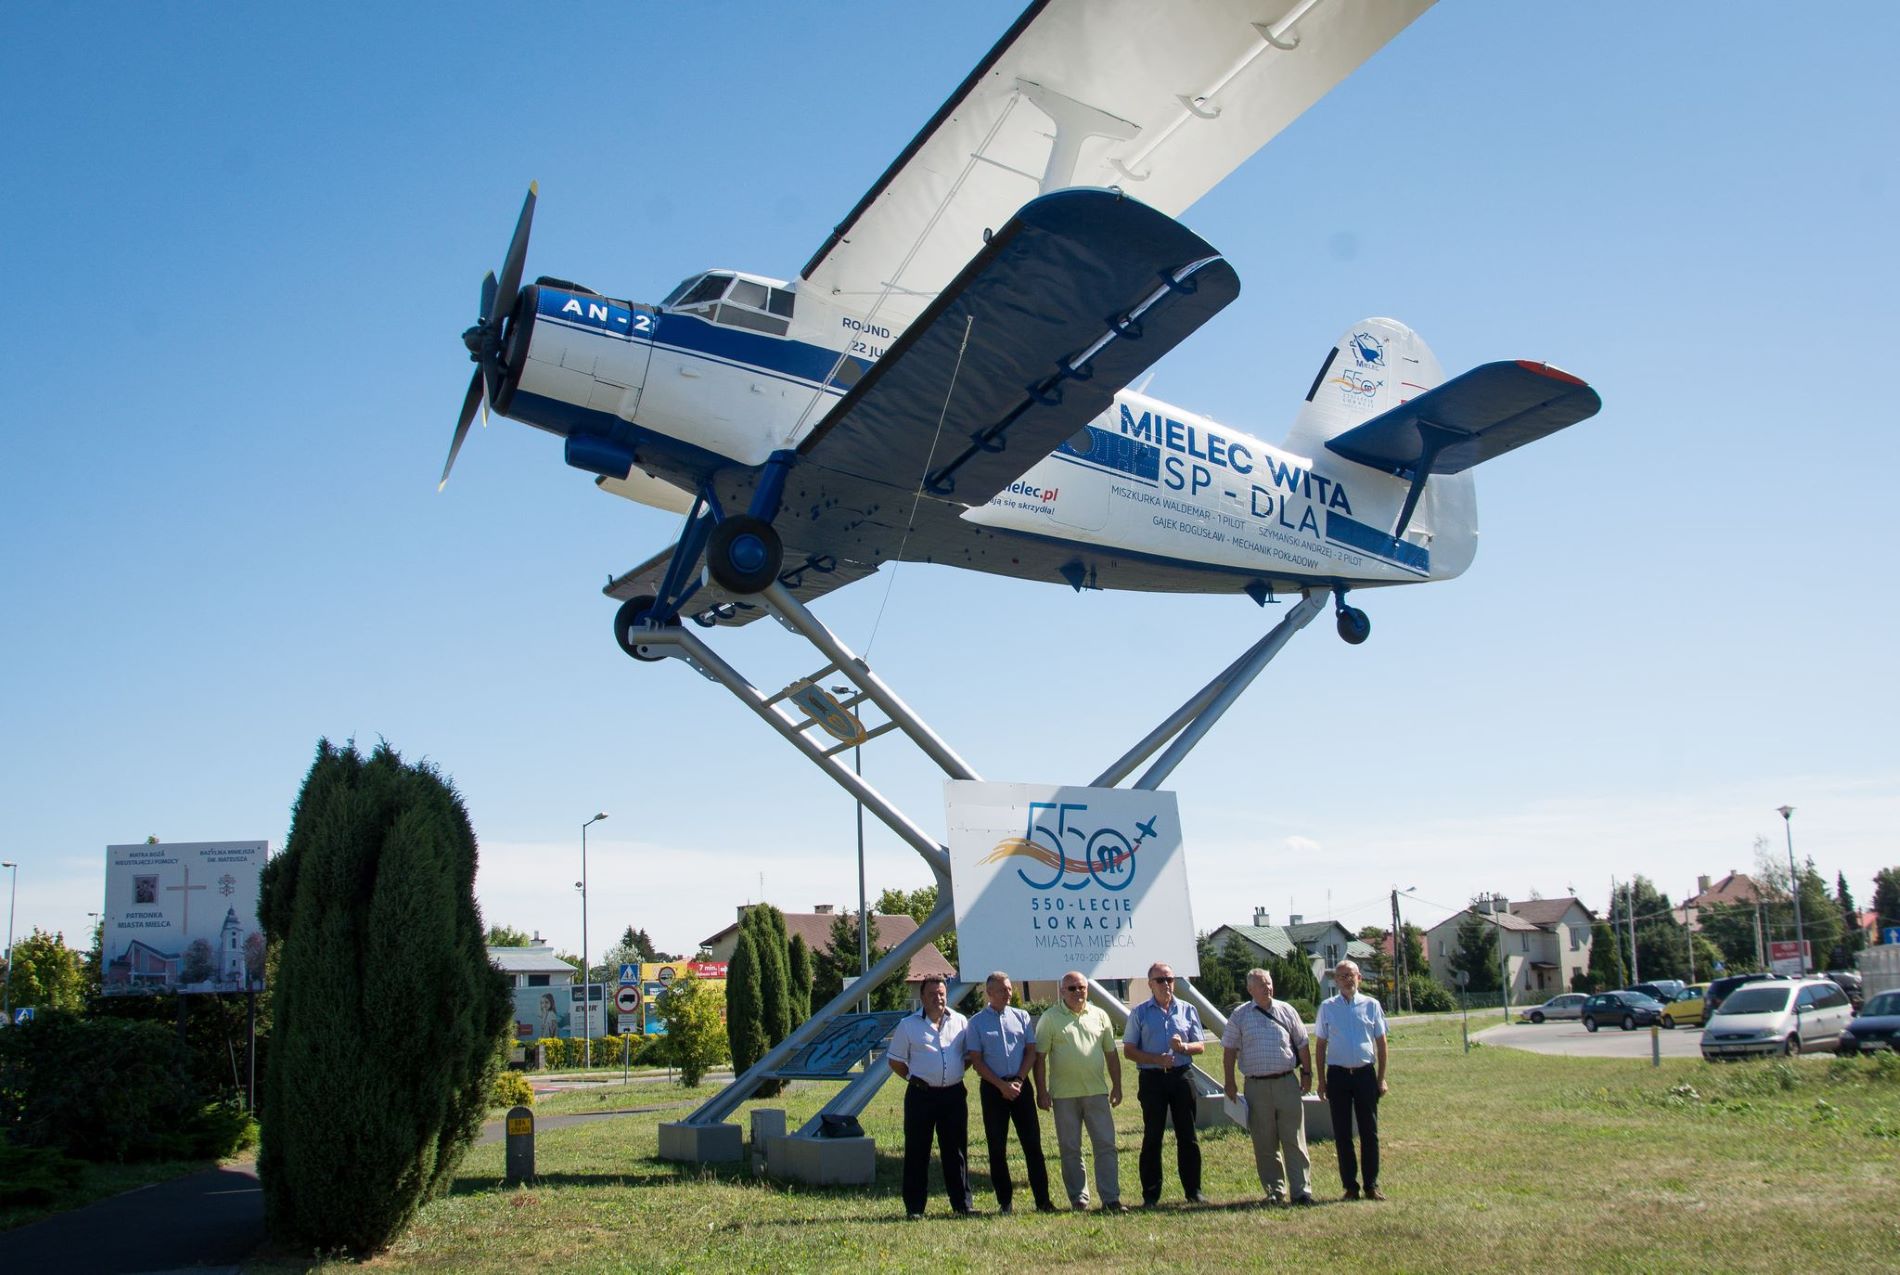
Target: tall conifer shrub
[[387, 1011]]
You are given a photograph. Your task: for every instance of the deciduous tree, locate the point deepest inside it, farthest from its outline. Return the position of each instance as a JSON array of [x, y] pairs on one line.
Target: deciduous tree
[[695, 1037]]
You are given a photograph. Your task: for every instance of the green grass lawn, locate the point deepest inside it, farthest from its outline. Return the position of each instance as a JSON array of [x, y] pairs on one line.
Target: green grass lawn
[[1496, 1160]]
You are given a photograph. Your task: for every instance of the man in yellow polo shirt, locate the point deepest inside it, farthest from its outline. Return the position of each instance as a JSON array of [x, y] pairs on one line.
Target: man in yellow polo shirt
[[1079, 1077]]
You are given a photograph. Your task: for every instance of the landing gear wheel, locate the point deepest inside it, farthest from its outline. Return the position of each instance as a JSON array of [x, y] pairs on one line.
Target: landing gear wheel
[[630, 623], [744, 554], [1353, 625]]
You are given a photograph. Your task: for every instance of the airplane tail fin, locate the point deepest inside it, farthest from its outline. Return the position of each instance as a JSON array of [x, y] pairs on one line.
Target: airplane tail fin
[[1374, 366]]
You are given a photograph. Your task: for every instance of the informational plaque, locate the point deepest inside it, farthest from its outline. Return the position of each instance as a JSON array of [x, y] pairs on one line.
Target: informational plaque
[[182, 917]]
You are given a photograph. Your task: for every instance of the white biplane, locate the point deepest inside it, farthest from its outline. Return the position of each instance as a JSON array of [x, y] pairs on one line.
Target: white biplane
[[945, 379]]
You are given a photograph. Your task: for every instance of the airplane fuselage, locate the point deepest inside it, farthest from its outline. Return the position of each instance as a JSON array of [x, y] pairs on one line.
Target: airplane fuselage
[[655, 399]]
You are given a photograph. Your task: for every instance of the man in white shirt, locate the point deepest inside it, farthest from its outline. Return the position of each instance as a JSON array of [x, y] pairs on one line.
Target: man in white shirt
[[1351, 1035], [927, 1050]]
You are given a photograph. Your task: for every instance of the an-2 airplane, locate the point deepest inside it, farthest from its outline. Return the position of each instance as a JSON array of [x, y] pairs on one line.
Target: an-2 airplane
[[944, 380]]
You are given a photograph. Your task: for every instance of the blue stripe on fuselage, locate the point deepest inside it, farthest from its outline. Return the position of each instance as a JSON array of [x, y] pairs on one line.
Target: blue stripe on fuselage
[[1370, 540]]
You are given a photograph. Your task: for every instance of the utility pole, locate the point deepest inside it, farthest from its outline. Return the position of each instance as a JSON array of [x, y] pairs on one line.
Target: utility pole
[[1629, 912], [1398, 955]]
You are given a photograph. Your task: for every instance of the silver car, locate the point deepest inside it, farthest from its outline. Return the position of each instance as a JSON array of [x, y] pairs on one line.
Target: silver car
[[1777, 1018], [1569, 1005]]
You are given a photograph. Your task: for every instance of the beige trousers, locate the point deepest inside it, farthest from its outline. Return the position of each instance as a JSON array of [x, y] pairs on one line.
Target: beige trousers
[[1278, 1126], [1071, 1115]]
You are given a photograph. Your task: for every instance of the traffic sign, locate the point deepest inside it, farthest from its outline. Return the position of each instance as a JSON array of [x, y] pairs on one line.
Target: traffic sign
[[627, 999], [1890, 934], [629, 972], [23, 1015]]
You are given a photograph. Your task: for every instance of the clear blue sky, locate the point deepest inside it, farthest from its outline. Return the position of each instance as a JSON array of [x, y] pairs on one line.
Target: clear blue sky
[[241, 244]]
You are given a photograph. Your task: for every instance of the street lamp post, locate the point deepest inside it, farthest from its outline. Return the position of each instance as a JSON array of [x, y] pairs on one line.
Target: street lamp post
[[587, 969], [864, 931], [1794, 888], [13, 893]]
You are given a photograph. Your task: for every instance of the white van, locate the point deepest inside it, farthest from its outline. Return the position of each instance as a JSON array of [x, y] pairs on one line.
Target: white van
[[1777, 1018]]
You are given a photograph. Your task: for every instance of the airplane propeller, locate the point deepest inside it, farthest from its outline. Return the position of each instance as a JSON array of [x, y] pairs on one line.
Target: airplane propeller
[[484, 340]]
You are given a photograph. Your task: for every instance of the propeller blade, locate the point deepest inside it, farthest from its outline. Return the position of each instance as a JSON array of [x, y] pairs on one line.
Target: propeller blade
[[469, 404], [489, 288], [517, 256]]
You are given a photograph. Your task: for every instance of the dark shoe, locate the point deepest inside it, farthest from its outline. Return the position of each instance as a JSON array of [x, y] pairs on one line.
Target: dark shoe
[[968, 1212], [1198, 1198], [1114, 1206], [1151, 1204], [916, 1217], [1305, 1202], [1274, 1202], [1004, 1210], [1374, 1193], [1352, 1193], [1047, 1207], [1079, 1206]]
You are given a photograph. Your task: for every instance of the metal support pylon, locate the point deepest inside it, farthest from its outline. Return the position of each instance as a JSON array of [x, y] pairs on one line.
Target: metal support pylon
[[1185, 727]]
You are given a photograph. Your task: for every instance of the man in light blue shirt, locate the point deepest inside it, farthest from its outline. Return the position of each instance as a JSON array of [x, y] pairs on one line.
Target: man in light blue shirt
[[1002, 1050], [1161, 1036], [1350, 1036]]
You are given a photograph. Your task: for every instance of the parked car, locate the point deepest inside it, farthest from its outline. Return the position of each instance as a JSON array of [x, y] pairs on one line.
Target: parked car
[[1721, 987], [1686, 1009], [1569, 1005], [1785, 1016], [1848, 981], [1629, 1010], [1877, 1026], [1663, 989]]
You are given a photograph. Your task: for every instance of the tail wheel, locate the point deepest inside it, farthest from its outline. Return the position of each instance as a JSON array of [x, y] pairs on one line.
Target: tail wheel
[[630, 621], [744, 554]]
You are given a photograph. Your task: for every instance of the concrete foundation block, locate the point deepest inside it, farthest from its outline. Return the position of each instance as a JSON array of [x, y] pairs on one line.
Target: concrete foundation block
[[702, 1143], [1319, 1119], [822, 1161], [1210, 1110]]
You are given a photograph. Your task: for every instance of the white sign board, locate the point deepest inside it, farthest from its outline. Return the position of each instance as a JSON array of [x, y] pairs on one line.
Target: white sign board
[[182, 917], [1050, 879]]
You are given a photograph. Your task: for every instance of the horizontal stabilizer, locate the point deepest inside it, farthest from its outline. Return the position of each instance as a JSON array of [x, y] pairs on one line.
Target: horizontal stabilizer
[[1469, 419], [807, 575]]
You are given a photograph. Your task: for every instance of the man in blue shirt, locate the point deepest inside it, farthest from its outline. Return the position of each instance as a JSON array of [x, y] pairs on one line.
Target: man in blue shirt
[[1001, 1043], [1350, 1032], [1162, 1035]]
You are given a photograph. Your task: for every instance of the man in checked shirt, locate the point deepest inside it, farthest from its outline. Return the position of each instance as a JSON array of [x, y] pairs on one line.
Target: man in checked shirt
[[1266, 1042]]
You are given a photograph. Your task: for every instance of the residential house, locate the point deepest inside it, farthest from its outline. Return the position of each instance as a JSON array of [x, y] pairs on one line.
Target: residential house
[[816, 928], [1736, 887], [1323, 943], [1545, 942], [535, 965]]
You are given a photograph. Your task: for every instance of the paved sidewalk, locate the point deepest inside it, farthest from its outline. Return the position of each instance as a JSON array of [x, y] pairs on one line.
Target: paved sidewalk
[[210, 1220]]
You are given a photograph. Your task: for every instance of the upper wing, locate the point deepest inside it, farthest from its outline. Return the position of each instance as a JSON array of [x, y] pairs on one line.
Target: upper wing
[[1068, 302], [1160, 100]]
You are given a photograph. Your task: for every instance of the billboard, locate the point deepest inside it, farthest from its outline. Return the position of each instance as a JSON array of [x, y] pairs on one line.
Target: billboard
[[559, 1012], [1050, 879], [1788, 957], [656, 977], [182, 917]]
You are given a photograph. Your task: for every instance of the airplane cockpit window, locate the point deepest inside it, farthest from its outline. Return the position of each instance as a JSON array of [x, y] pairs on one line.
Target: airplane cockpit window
[[707, 290], [749, 305], [680, 291]]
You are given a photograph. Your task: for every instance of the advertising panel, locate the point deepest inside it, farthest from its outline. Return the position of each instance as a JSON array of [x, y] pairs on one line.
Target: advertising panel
[[1788, 957], [182, 917], [656, 977], [542, 1013], [1050, 879]]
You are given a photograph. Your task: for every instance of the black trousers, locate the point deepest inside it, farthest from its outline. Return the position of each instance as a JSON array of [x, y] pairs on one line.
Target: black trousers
[[943, 1114], [1354, 1095], [998, 1114], [1165, 1096]]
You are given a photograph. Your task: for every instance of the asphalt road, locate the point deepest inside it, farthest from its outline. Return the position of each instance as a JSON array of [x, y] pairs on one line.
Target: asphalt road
[[1607, 1042]]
